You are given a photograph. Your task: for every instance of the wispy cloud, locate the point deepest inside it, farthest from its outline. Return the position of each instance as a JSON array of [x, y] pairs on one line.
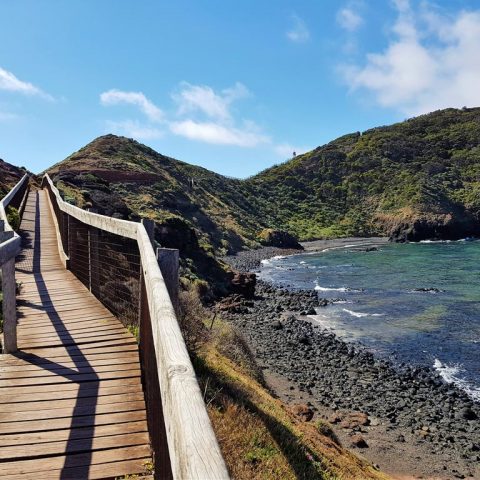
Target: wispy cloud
[[135, 129], [117, 97], [206, 116], [431, 62], [298, 33], [202, 114], [218, 134], [349, 18], [202, 98], [10, 83]]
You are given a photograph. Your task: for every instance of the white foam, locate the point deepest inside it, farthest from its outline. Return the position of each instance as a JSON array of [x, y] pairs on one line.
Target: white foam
[[355, 314], [450, 373], [328, 289], [268, 261], [360, 314]]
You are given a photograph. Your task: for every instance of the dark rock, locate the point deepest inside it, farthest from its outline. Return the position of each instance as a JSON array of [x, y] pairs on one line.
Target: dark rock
[[279, 238], [244, 284]]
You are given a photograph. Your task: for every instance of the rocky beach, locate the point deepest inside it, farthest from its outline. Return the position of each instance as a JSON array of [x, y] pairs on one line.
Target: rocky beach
[[403, 418]]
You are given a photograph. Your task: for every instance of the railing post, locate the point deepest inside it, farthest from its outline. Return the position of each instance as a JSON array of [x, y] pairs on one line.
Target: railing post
[[9, 307], [93, 259], [168, 259]]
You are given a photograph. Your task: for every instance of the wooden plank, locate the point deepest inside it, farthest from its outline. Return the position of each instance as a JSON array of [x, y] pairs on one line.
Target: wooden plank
[[8, 418], [70, 372], [52, 352], [70, 335], [71, 402], [29, 359], [118, 469], [73, 378], [128, 357], [104, 388], [16, 453], [63, 423], [61, 435], [75, 460], [64, 342]]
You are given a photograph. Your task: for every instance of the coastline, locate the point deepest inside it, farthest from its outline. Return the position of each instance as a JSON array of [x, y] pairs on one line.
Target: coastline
[[414, 424]]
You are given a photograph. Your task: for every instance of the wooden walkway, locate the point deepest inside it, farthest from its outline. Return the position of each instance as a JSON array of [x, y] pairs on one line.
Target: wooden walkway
[[71, 400]]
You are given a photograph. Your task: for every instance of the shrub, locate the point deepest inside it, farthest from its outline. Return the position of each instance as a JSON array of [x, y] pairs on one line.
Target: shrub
[[13, 217]]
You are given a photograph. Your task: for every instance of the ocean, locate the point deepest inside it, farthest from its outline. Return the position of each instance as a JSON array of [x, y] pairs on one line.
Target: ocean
[[415, 303]]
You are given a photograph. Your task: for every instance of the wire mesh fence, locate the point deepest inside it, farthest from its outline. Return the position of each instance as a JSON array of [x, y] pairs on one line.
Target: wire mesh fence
[[107, 264]]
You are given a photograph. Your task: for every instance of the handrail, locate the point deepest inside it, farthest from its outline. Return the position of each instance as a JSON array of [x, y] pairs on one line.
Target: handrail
[[192, 446], [10, 246]]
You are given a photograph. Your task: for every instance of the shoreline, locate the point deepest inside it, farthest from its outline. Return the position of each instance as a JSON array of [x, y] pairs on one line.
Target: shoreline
[[415, 424]]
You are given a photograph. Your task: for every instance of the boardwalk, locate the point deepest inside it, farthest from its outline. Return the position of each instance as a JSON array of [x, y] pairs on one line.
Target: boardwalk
[[71, 400]]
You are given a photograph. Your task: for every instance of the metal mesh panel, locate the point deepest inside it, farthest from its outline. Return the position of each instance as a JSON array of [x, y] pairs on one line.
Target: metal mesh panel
[[109, 265]]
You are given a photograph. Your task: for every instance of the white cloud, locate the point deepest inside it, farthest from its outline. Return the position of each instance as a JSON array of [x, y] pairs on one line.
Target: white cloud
[[218, 134], [202, 114], [349, 19], [299, 32], [285, 150], [116, 97], [202, 98], [10, 83], [134, 129], [432, 62]]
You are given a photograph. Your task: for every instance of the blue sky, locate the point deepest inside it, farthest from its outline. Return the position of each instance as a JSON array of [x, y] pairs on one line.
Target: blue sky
[[232, 86]]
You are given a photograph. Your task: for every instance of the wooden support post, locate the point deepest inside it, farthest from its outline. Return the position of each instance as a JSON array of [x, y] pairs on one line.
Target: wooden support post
[[150, 228], [9, 307], [168, 262]]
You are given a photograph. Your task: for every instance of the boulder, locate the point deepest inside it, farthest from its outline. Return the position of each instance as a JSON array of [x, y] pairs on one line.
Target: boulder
[[355, 419], [278, 238], [244, 284], [302, 411]]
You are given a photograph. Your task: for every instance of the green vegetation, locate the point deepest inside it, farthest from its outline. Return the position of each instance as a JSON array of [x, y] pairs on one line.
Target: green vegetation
[[13, 217]]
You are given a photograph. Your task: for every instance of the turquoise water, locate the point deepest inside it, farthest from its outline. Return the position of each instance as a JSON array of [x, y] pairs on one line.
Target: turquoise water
[[376, 302]]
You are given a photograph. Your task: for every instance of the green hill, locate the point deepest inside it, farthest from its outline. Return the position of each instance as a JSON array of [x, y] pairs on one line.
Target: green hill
[[414, 180]]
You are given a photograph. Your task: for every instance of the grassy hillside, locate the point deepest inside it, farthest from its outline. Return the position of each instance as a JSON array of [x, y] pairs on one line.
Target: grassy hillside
[[412, 180], [9, 176], [123, 177]]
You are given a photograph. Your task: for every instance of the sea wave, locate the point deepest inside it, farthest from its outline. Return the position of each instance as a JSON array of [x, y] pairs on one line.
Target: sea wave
[[360, 314], [331, 289], [450, 373], [336, 289], [268, 261]]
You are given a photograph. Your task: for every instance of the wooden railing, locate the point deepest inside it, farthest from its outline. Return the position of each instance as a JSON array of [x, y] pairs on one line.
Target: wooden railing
[[10, 245], [116, 261]]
